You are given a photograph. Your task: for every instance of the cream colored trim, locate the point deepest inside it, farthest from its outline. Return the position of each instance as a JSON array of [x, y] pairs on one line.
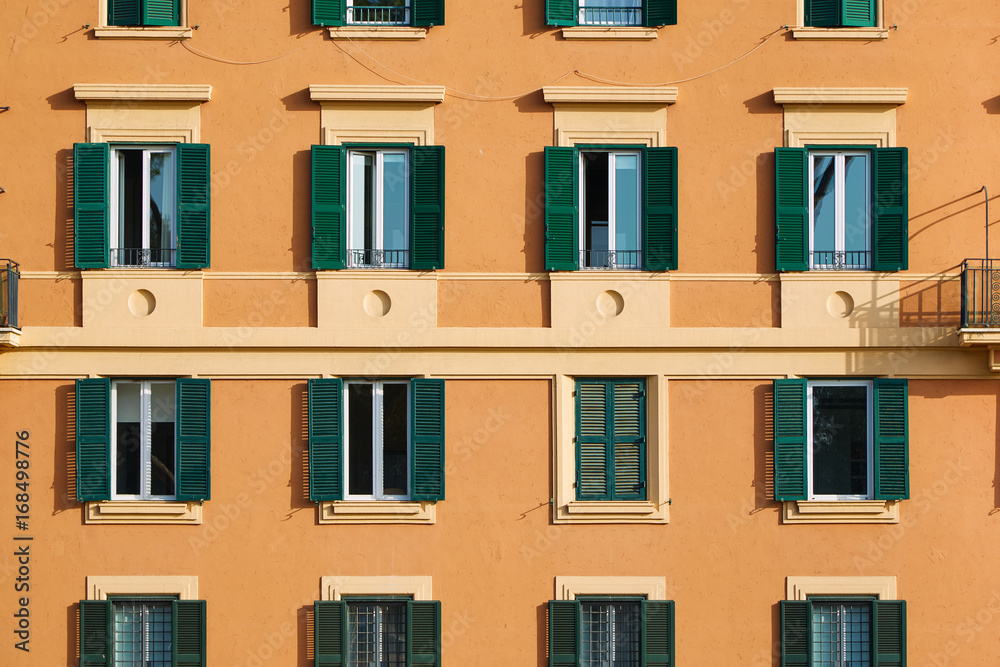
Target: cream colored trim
[[136, 512], [617, 137], [803, 139], [169, 92], [977, 336], [339, 93], [659, 96], [594, 32], [569, 588], [102, 15], [10, 337], [866, 34], [335, 588], [101, 588], [799, 588], [335, 137], [360, 511], [818, 95], [367, 32], [800, 18], [145, 32], [843, 511], [116, 135]]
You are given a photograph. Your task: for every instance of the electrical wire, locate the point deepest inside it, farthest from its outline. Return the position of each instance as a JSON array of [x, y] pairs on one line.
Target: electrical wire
[[249, 62]]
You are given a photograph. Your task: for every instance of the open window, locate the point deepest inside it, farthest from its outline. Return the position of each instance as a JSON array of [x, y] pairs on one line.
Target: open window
[[611, 12], [378, 13]]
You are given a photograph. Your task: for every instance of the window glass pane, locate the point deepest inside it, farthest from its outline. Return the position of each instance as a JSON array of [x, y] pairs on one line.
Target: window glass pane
[[359, 436], [362, 207], [840, 440], [394, 196], [376, 634], [128, 443], [824, 212], [841, 634], [856, 208], [610, 12], [394, 425], [596, 213], [160, 200], [162, 417], [611, 634], [626, 209], [142, 634], [129, 203]]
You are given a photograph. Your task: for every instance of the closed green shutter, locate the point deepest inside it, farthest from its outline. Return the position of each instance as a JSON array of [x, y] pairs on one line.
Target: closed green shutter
[[93, 439], [194, 439], [890, 633], [564, 632], [427, 429], [658, 633], [328, 12], [790, 468], [427, 209], [329, 207], [326, 439], [593, 446], [561, 220], [91, 207], [330, 632], [189, 633], [560, 12], [660, 207], [160, 12], [823, 13], [892, 457], [791, 214], [427, 13], [423, 628], [659, 12], [194, 216], [858, 13], [795, 642], [95, 633], [124, 12], [890, 210], [629, 433]]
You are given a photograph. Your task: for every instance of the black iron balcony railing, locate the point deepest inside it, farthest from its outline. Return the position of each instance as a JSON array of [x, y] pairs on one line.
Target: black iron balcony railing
[[378, 16], [9, 276], [980, 293], [368, 258], [143, 257], [610, 16], [611, 259], [840, 260]]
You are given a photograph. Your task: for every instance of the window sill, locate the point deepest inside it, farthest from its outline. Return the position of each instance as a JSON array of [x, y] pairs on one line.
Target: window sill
[[374, 32], [151, 32], [599, 32], [638, 511], [144, 512], [10, 337], [373, 511], [867, 34], [842, 511]]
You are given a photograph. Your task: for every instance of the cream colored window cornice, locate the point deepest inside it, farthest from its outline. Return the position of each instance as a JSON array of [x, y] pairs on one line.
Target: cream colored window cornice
[[610, 95], [330, 93], [143, 92], [894, 96]]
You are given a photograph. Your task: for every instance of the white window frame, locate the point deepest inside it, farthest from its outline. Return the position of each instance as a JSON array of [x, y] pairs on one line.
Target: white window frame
[[380, 633], [144, 623], [869, 395], [145, 411], [377, 444], [841, 627], [407, 19], [377, 206], [840, 215], [169, 201], [602, 3], [610, 635], [612, 209]]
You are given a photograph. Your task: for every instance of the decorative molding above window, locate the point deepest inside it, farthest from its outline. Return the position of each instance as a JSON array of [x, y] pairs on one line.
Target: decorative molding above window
[[335, 588], [818, 95], [652, 588], [101, 588], [800, 588], [143, 92], [659, 95]]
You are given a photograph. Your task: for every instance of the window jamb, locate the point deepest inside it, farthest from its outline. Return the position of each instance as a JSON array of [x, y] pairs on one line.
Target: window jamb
[[869, 400]]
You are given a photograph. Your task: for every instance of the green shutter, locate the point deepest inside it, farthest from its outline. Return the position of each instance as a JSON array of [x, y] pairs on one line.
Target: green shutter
[[427, 430], [564, 631], [628, 399], [189, 633], [892, 457], [823, 13], [193, 206], [91, 207], [329, 632], [890, 633], [660, 209], [791, 209], [560, 12], [95, 633], [890, 216], [328, 12], [160, 12], [423, 629], [561, 220], [326, 439], [124, 12], [658, 633], [427, 208], [427, 13], [194, 439], [593, 447], [858, 13], [659, 12], [795, 641], [790, 468], [93, 439], [329, 212]]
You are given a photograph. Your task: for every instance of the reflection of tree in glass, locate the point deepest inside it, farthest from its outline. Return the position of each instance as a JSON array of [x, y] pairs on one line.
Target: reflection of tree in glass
[[824, 182], [379, 3]]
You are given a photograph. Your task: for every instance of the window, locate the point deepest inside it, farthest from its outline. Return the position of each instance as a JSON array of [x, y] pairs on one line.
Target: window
[[417, 13], [142, 440], [143, 12], [600, 631], [841, 208], [855, 631], [153, 631], [385, 631], [841, 440], [378, 207], [610, 208], [376, 440], [611, 12], [611, 439], [141, 206], [840, 13]]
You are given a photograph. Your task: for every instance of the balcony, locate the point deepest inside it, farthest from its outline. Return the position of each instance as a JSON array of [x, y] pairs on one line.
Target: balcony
[[144, 258], [611, 259], [10, 330], [610, 16], [378, 16], [839, 260], [981, 306], [369, 258]]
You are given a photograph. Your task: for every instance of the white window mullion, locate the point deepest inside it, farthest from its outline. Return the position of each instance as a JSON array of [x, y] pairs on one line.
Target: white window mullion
[[145, 199], [146, 428], [377, 436], [378, 192], [612, 208], [840, 178], [117, 195]]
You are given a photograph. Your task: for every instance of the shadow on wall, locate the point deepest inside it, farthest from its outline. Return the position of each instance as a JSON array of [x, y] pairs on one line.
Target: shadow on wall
[[763, 445], [300, 450], [64, 475]]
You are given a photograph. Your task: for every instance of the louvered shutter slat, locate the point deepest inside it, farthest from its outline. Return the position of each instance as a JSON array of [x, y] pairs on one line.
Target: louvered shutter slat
[[329, 212], [790, 470], [891, 439], [160, 12], [427, 410], [124, 12], [194, 439], [593, 442], [791, 251], [660, 209], [328, 12], [795, 640], [823, 13], [564, 628], [95, 631], [93, 439], [427, 208], [890, 633], [424, 630], [561, 222], [858, 13], [658, 633], [91, 207], [329, 630], [560, 12], [427, 13], [189, 617], [890, 210], [193, 206], [326, 439], [629, 420]]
